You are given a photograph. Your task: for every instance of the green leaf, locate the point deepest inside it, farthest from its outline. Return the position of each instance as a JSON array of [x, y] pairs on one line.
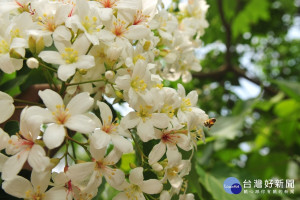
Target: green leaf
[[11, 127], [126, 160], [214, 185], [254, 11], [287, 108], [292, 89], [227, 127]]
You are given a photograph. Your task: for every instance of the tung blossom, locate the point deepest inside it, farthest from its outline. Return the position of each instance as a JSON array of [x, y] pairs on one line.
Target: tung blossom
[[58, 116], [23, 147], [137, 186], [69, 56]]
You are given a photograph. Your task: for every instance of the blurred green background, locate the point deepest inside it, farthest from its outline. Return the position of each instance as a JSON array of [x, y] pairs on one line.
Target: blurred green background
[[250, 83]]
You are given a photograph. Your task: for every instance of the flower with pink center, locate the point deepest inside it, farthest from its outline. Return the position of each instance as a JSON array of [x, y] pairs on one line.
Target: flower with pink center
[[58, 117], [108, 3], [169, 139], [110, 131], [24, 147], [88, 176]]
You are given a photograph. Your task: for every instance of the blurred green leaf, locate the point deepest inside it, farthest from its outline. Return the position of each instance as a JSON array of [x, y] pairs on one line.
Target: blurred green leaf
[[214, 185], [126, 160], [11, 127], [292, 89], [286, 108], [254, 11]]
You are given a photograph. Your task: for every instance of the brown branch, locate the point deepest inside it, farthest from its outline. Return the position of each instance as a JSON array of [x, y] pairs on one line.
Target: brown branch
[[242, 73], [228, 34], [212, 74]]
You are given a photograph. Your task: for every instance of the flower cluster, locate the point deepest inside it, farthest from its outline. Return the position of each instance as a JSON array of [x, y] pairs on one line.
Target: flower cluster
[[121, 49]]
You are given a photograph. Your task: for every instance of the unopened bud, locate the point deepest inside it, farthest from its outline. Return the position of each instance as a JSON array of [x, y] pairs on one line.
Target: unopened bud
[[109, 75], [82, 71], [54, 161], [32, 63], [14, 54], [132, 165], [157, 167], [119, 94], [32, 44], [40, 45], [147, 45]]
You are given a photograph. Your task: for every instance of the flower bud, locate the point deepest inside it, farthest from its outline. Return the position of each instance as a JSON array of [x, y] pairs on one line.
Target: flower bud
[[157, 167], [54, 161], [32, 63], [132, 165], [109, 75], [119, 94], [82, 71], [14, 54]]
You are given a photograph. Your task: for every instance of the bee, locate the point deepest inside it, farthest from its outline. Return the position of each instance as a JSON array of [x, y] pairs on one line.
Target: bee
[[210, 122]]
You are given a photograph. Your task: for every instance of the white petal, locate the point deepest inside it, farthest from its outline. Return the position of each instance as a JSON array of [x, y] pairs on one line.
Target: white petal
[[160, 120], [14, 164], [81, 44], [105, 14], [173, 154], [105, 112], [85, 62], [18, 186], [157, 153], [51, 99], [81, 123], [130, 120], [136, 32], [175, 181], [57, 193], [80, 172], [37, 158], [80, 104], [136, 176], [97, 154], [6, 107], [113, 156], [4, 137], [3, 159], [54, 136], [121, 196], [114, 177], [181, 90], [145, 130], [193, 96], [100, 139], [51, 57], [122, 144], [64, 72], [40, 180], [151, 186]]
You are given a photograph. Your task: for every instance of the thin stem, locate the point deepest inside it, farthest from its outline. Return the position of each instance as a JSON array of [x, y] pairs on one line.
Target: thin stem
[[27, 102], [19, 107], [80, 143], [73, 150], [91, 81], [47, 67]]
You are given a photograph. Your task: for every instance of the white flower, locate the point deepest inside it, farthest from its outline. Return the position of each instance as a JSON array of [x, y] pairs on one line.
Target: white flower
[[175, 172], [34, 190], [169, 139], [7, 107], [138, 186], [87, 19], [23, 147], [110, 132], [69, 56], [58, 117], [32, 63], [137, 84], [88, 176], [145, 120]]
